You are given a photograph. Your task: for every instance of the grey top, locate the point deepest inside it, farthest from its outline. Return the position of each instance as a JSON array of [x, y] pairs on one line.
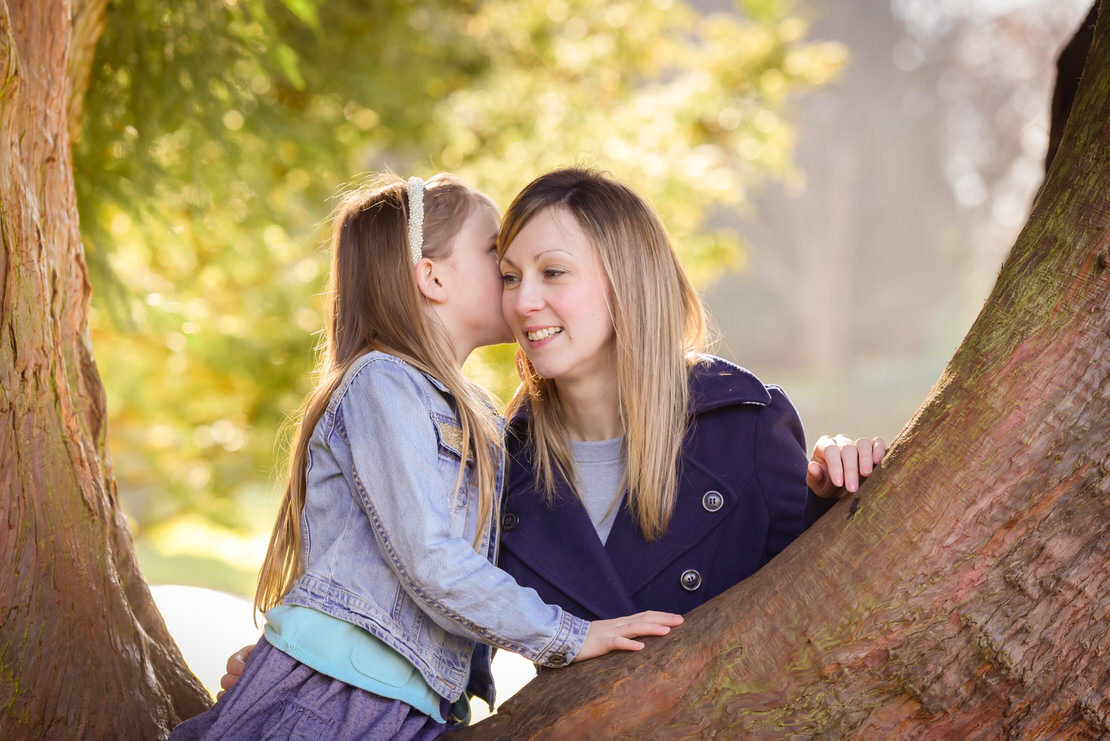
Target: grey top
[[600, 468]]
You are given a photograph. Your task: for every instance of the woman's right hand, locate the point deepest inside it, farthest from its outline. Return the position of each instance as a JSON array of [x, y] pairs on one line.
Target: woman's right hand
[[235, 664], [617, 634]]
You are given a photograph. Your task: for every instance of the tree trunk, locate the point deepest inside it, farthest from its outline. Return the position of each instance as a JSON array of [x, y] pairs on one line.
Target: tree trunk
[[83, 650], [962, 593]]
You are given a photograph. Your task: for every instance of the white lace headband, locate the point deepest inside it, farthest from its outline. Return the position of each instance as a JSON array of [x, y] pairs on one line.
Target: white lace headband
[[416, 218]]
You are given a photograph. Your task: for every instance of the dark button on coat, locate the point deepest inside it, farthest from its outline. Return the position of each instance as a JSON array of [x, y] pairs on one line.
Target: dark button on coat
[[745, 442]]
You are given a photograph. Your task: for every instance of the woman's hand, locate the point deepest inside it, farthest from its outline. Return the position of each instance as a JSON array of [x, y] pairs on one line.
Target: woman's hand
[[235, 664], [617, 634], [839, 464]]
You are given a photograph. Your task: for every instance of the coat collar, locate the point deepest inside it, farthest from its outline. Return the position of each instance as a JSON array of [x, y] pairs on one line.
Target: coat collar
[[715, 382]]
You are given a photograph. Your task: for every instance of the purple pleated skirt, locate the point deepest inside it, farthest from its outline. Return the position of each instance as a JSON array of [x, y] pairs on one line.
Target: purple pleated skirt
[[278, 697]]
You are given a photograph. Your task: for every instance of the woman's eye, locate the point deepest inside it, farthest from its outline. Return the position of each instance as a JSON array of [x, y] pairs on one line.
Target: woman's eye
[[553, 272], [507, 279]]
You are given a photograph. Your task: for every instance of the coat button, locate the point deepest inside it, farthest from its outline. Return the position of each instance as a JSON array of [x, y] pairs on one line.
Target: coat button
[[557, 660], [509, 521], [712, 500], [690, 580]]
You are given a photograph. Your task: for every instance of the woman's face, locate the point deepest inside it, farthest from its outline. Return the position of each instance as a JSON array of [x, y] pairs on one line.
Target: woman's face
[[554, 298]]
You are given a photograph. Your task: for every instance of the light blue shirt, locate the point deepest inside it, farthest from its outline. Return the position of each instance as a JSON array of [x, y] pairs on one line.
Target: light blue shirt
[[348, 653]]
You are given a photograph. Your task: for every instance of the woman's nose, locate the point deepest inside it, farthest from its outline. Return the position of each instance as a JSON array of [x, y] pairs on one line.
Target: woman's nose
[[528, 299]]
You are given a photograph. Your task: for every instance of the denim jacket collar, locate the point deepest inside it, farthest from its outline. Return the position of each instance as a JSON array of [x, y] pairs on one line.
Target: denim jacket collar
[[436, 382]]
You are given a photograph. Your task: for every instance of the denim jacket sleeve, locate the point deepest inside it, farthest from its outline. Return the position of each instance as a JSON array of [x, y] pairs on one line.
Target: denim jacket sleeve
[[386, 413]]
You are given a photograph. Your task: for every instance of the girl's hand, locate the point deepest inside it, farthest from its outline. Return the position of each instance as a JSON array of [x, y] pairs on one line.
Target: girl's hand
[[840, 463], [235, 664], [617, 634]]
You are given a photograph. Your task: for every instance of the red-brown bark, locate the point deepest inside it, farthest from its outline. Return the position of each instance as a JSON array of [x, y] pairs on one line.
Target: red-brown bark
[[964, 592], [83, 650]]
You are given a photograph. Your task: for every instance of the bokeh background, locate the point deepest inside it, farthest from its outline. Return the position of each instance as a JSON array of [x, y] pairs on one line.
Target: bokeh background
[[841, 177]]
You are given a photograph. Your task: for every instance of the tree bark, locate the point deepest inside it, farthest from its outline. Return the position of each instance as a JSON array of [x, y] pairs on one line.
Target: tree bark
[[962, 592], [83, 650], [1069, 68]]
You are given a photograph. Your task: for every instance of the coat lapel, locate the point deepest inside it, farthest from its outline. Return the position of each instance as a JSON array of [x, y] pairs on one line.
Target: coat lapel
[[560, 544], [637, 561], [713, 385]]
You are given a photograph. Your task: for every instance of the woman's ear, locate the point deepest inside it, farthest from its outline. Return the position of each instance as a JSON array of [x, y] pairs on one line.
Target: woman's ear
[[428, 279]]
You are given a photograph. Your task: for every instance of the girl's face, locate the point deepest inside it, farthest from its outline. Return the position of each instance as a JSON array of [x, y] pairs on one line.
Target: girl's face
[[473, 262], [554, 298]]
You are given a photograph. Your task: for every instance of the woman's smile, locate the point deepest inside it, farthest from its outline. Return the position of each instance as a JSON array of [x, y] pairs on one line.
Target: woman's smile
[[539, 337]]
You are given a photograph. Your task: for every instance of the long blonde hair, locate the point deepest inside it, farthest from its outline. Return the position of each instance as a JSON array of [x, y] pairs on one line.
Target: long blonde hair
[[659, 325], [374, 303]]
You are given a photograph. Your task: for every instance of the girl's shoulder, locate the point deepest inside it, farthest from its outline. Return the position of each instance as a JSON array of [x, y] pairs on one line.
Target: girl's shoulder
[[378, 372]]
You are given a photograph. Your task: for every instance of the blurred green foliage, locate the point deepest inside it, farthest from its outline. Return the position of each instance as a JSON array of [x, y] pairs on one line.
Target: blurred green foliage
[[215, 134]]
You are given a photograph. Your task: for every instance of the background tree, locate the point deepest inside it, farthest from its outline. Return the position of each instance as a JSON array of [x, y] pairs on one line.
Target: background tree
[[83, 651], [961, 592]]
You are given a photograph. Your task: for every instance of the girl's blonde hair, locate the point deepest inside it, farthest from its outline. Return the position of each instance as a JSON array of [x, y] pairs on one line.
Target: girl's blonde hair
[[659, 325], [374, 303]]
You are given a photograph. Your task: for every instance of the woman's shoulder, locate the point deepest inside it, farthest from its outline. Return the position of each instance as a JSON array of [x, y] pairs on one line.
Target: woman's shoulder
[[745, 409], [716, 382]]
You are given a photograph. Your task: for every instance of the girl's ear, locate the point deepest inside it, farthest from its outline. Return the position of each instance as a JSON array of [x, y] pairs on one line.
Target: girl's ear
[[428, 279]]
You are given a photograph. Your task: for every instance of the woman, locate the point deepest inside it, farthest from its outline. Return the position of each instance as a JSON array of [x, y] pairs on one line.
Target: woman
[[642, 474]]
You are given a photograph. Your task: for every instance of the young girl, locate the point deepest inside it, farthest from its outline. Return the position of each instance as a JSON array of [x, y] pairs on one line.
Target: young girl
[[378, 582]]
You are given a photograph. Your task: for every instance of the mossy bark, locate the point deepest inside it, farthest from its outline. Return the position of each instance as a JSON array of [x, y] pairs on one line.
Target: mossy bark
[[963, 592], [83, 650]]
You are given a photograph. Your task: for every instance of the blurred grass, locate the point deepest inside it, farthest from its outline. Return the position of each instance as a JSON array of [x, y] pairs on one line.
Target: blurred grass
[[192, 570], [190, 551]]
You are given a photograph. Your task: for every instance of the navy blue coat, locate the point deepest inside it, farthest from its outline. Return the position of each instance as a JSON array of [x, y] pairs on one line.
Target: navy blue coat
[[742, 498]]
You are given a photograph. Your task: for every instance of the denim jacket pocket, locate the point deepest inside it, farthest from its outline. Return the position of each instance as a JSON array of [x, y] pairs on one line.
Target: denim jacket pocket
[[450, 438], [407, 614]]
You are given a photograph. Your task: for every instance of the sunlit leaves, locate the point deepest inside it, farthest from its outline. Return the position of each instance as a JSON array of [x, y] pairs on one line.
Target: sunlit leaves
[[216, 132]]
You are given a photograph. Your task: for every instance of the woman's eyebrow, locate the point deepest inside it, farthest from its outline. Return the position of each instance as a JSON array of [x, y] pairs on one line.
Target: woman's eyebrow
[[554, 249], [539, 254]]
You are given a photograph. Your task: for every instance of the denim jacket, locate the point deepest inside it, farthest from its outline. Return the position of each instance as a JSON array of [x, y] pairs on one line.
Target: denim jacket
[[388, 547]]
